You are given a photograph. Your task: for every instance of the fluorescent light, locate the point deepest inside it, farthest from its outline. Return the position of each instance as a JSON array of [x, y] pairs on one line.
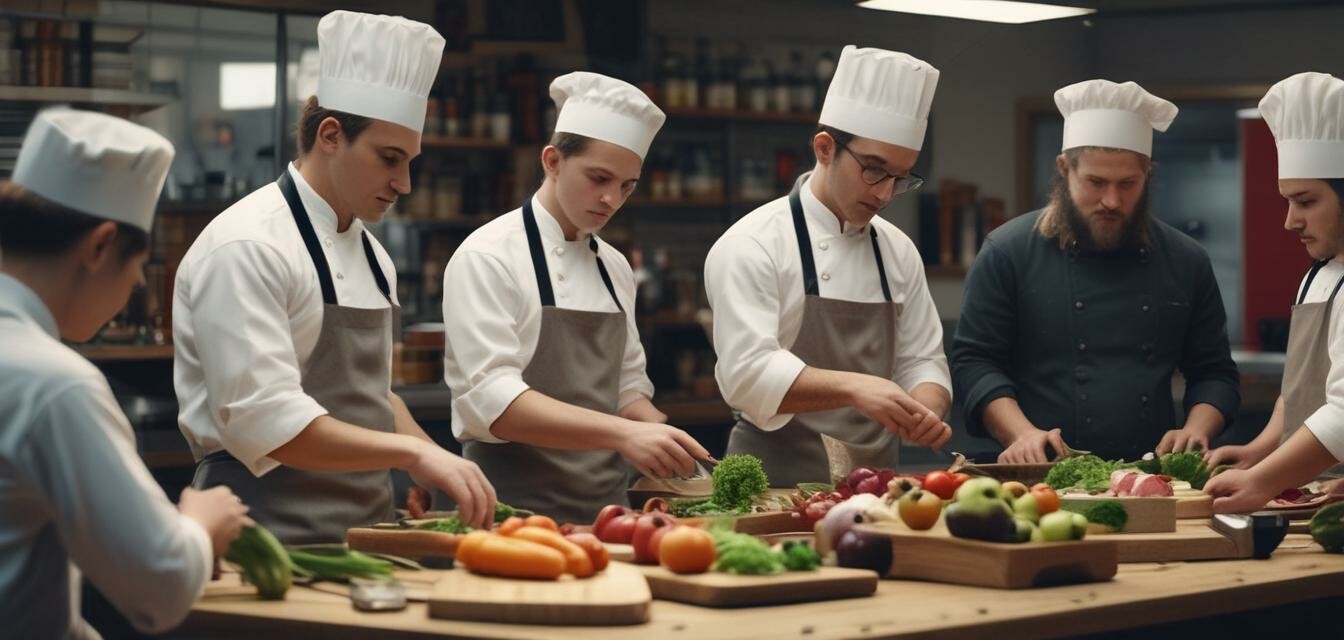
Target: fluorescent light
[[983, 10], [246, 85]]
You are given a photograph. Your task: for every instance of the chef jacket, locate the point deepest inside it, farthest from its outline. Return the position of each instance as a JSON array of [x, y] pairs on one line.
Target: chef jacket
[[247, 310], [492, 314], [754, 280], [1088, 342], [75, 499]]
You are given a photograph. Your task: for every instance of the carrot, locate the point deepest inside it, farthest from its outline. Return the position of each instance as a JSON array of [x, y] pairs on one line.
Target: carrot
[[468, 546], [509, 557], [543, 522], [577, 561], [511, 524]]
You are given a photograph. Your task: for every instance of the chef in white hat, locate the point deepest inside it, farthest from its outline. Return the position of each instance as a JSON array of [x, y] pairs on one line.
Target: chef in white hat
[[285, 308], [1306, 432], [542, 353], [74, 496], [823, 321], [1076, 316]]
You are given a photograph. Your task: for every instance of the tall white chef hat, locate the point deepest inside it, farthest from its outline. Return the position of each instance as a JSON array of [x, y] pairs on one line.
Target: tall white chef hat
[[377, 66], [1305, 113], [596, 106], [96, 164], [882, 95], [1101, 113]]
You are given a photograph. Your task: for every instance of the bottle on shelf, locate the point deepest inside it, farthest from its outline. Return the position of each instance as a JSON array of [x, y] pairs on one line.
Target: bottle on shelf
[[480, 106], [825, 69], [452, 107], [781, 91], [804, 90]]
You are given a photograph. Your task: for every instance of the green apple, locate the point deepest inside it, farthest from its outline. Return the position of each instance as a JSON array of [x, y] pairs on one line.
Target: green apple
[[1079, 522], [1057, 526], [1025, 529], [1025, 507]]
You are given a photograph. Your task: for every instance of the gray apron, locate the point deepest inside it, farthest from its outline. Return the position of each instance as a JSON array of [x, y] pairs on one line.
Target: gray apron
[[577, 361], [1308, 361], [839, 335], [348, 375]]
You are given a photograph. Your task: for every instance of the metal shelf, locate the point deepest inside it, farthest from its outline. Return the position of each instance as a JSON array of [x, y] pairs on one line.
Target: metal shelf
[[85, 95]]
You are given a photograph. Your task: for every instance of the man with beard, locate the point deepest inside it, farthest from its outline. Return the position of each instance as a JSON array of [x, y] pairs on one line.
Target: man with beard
[[1076, 315]]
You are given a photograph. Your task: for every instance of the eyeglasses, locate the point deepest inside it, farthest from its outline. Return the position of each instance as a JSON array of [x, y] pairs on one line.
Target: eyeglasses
[[876, 175]]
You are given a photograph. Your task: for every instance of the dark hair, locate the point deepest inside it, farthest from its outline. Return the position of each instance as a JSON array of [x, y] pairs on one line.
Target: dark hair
[[569, 144], [1071, 156], [1337, 184], [34, 227], [312, 117], [842, 138]]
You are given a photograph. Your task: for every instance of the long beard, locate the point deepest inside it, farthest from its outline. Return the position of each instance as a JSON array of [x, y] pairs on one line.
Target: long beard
[[1067, 224]]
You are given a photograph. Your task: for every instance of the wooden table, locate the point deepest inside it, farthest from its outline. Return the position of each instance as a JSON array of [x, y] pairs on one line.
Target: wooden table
[[1140, 595]]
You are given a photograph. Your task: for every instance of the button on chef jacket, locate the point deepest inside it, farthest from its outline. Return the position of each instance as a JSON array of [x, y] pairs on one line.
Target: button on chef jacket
[[75, 497], [1327, 423], [247, 310], [492, 317], [1088, 342], [754, 279]]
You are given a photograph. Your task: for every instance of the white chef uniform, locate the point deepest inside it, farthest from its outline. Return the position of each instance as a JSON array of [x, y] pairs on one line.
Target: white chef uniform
[[75, 499]]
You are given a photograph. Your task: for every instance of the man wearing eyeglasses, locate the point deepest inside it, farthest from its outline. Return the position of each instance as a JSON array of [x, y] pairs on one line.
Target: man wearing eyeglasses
[[823, 321], [1077, 315]]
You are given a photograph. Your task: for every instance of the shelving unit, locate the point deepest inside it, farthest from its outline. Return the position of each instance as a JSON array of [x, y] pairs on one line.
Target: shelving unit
[[125, 353], [130, 100]]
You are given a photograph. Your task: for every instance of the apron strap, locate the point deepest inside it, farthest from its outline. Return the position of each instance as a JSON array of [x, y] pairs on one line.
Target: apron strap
[[543, 272], [602, 269], [378, 275], [810, 287], [296, 209], [1336, 291], [305, 225], [1311, 277]]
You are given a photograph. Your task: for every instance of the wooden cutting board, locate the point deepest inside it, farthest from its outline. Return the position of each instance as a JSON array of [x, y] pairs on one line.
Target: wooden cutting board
[[1145, 515], [937, 556], [1192, 540], [1193, 504], [714, 589], [617, 596]]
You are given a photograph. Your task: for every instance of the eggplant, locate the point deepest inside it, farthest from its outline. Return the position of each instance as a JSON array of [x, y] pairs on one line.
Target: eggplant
[[858, 550], [991, 523]]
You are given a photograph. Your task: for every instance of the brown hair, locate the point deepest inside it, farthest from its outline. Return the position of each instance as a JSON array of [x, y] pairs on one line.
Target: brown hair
[[569, 144], [312, 117], [842, 138], [35, 227]]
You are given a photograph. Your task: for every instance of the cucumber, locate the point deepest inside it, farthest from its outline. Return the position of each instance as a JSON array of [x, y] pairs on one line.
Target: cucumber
[[264, 562]]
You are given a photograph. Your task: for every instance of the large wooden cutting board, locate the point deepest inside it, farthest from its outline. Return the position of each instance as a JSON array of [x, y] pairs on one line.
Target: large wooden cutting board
[[714, 589], [937, 556], [1145, 514], [1192, 540], [619, 595], [1193, 504]]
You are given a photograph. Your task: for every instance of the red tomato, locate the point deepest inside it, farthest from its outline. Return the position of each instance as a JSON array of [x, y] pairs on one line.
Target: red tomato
[[645, 527], [941, 484], [961, 479], [686, 549], [1046, 498], [620, 530], [607, 514]]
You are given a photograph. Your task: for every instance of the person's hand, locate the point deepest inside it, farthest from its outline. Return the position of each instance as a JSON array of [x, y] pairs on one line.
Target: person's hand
[[1029, 448], [1238, 491], [1237, 456], [661, 451], [460, 478], [1181, 440], [892, 407], [221, 513]]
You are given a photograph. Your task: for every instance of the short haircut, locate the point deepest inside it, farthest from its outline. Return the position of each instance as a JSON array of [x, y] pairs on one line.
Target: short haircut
[[32, 226], [313, 115]]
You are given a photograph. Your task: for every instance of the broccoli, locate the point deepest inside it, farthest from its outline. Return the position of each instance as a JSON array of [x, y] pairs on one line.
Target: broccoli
[[1085, 472], [737, 480], [1188, 466], [800, 556], [451, 524], [744, 554], [504, 512], [1110, 514]]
